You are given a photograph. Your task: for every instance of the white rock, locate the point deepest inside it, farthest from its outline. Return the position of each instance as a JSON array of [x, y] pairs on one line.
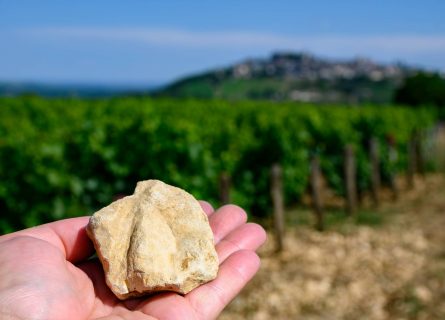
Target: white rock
[[157, 239]]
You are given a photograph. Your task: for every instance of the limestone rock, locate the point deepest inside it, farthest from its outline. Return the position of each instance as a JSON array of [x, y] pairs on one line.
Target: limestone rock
[[157, 239]]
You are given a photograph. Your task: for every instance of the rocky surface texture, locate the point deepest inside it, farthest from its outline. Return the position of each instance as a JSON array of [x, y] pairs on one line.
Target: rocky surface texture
[[395, 270], [157, 239]]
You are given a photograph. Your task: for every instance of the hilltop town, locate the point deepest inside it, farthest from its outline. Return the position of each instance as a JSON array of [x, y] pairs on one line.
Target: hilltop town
[[297, 77]]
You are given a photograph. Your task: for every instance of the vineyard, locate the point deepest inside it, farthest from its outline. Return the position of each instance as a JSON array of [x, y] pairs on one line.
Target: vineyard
[[394, 269], [67, 157]]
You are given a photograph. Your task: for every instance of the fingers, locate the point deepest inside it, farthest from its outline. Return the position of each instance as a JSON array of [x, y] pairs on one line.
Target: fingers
[[207, 207], [238, 267], [247, 237], [68, 235], [210, 299], [225, 220]]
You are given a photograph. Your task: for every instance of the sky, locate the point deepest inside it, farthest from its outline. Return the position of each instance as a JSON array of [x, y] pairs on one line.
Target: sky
[[154, 42]]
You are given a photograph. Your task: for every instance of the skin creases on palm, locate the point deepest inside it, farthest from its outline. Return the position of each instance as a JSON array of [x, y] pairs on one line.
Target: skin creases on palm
[[45, 274]]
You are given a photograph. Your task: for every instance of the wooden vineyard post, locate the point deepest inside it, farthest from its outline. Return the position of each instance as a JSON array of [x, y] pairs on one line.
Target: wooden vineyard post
[[375, 170], [224, 188], [411, 170], [276, 190], [316, 192], [420, 159], [392, 159], [350, 172]]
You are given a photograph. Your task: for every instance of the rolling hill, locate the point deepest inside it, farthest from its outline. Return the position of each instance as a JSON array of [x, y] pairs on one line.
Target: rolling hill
[[296, 77]]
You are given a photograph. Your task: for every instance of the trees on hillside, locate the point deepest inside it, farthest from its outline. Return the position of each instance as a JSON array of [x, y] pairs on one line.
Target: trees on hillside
[[422, 89]]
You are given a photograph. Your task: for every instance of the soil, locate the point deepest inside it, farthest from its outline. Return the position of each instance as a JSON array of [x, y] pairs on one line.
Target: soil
[[394, 269]]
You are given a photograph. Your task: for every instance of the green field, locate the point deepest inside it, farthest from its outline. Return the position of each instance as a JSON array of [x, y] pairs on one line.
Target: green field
[[66, 157]]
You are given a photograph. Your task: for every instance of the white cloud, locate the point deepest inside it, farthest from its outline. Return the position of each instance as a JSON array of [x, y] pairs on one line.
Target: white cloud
[[395, 45]]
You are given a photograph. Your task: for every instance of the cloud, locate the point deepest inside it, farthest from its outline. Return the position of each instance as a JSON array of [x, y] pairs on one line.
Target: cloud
[[397, 45]]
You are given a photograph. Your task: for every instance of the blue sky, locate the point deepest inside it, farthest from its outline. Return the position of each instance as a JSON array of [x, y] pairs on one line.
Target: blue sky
[[150, 42]]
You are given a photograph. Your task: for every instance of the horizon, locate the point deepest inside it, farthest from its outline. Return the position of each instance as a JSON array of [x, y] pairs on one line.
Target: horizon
[[111, 43], [123, 86], [150, 85]]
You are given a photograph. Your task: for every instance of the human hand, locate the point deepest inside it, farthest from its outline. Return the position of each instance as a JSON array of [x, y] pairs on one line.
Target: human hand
[[45, 274]]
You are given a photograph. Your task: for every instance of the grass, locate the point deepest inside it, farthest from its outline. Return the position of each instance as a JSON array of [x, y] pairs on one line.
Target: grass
[[370, 218], [334, 218]]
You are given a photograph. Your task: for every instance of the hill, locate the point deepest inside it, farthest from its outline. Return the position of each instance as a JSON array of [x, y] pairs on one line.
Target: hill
[[296, 77]]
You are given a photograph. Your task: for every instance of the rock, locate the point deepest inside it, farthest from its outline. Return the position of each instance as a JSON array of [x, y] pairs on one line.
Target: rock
[[157, 239]]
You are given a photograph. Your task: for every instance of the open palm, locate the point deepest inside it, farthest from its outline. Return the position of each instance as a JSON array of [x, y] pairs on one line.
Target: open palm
[[45, 274]]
